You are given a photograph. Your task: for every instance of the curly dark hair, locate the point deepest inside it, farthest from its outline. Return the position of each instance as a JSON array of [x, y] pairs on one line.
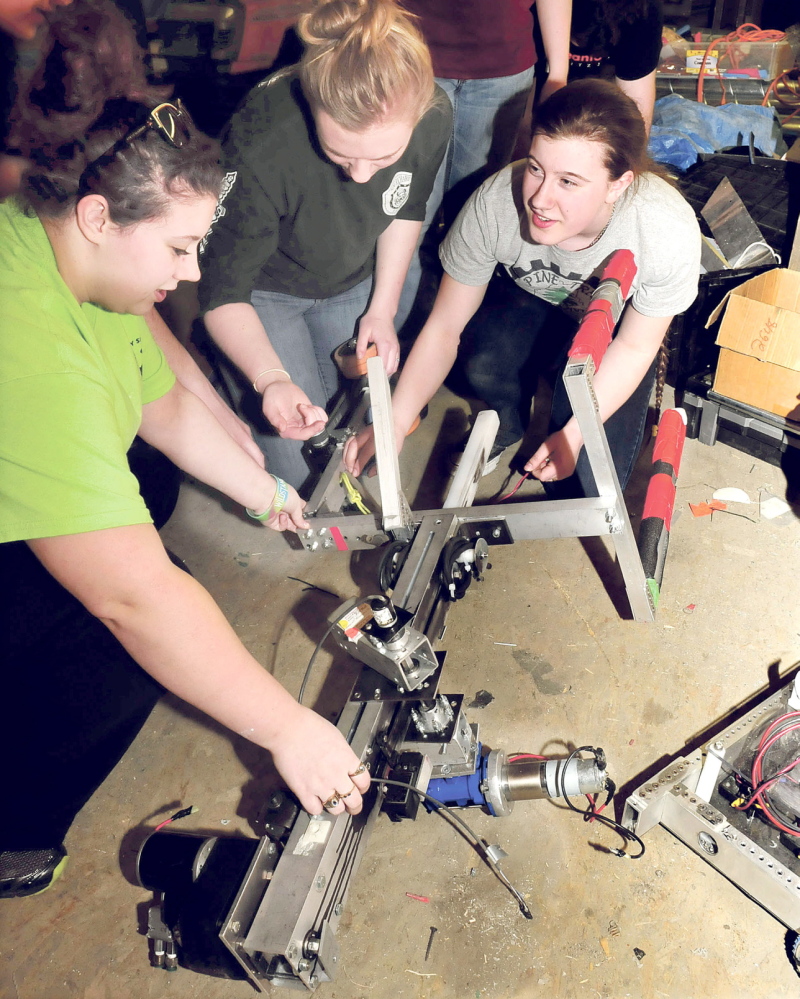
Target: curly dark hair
[[88, 91]]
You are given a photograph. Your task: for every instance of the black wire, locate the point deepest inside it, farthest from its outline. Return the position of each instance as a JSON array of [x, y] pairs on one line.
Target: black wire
[[591, 812], [313, 586], [475, 840], [328, 630], [317, 647]]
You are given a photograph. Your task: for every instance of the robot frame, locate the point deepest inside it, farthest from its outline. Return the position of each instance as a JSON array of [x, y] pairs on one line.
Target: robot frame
[[268, 909]]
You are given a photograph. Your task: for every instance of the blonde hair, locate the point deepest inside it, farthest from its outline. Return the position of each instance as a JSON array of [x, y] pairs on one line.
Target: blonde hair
[[365, 61]]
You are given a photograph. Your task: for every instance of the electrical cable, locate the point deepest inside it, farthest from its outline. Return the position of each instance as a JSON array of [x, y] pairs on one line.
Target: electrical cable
[[181, 814], [789, 80], [777, 729], [508, 495], [317, 647], [591, 813], [477, 843], [313, 586], [353, 494], [744, 33], [328, 630]]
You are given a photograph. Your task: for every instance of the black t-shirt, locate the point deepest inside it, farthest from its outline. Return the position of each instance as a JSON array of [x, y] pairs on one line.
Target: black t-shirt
[[288, 220], [594, 51]]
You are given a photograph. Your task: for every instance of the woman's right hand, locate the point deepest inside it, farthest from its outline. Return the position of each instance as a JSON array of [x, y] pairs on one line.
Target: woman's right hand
[[360, 449], [291, 412], [289, 517], [316, 762]]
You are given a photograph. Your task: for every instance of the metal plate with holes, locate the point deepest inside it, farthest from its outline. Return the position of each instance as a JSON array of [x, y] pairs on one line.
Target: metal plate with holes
[[433, 739], [494, 532], [745, 849], [373, 686]]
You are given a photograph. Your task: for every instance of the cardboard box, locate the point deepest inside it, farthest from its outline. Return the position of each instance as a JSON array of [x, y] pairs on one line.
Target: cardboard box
[[759, 363]]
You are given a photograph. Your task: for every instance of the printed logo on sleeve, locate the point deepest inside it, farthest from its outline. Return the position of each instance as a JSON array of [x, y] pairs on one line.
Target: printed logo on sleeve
[[227, 186], [396, 194]]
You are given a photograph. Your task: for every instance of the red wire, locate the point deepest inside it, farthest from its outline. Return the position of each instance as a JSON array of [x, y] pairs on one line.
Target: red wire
[[161, 825], [590, 797], [744, 33], [595, 811], [772, 734], [516, 487]]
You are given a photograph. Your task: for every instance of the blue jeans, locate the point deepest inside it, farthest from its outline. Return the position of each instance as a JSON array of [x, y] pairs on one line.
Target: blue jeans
[[512, 338], [304, 332], [486, 117]]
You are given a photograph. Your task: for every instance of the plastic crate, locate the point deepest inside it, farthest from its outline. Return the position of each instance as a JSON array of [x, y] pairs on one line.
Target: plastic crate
[[739, 59]]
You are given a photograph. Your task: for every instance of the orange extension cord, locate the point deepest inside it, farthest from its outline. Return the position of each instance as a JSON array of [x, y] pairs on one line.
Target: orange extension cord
[[744, 33]]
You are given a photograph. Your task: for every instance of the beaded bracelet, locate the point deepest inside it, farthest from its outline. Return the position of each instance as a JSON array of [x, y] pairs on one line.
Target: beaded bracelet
[[277, 504]]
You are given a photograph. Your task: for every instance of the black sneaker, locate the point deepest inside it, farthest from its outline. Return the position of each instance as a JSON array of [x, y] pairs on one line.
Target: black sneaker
[[492, 460], [29, 872]]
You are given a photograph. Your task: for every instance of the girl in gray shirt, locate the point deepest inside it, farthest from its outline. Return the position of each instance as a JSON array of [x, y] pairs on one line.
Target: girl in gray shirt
[[553, 221]]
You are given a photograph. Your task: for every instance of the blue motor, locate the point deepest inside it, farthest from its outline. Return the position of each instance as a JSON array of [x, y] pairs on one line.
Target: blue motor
[[498, 782]]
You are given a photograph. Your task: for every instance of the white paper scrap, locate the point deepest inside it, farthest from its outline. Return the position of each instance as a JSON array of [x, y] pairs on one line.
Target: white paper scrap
[[774, 507], [730, 494]]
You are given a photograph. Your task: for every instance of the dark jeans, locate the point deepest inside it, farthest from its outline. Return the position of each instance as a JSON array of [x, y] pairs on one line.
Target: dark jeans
[[512, 339], [73, 699]]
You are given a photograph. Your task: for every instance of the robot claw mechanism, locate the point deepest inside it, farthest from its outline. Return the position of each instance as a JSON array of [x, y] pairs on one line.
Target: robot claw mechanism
[[267, 910]]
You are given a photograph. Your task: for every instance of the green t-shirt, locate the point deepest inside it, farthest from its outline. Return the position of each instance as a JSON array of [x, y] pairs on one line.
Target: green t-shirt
[[73, 380]]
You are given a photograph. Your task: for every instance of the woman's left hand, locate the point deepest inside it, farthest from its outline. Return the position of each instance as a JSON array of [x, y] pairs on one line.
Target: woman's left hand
[[556, 458], [380, 331]]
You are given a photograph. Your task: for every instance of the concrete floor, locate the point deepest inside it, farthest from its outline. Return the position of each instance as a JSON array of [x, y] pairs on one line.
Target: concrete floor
[[570, 669]]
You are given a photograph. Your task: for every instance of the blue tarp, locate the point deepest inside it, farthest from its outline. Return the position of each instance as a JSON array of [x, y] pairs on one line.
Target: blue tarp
[[682, 129]]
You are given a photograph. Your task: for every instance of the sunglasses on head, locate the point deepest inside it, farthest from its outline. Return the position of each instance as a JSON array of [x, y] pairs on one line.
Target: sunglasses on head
[[164, 119]]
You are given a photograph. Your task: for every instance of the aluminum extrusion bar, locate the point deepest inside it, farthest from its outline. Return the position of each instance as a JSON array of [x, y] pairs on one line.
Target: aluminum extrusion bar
[[396, 512], [534, 521], [578, 383], [309, 884], [470, 468]]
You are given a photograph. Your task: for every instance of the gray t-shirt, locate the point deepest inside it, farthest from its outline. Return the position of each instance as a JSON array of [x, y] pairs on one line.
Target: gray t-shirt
[[651, 219]]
